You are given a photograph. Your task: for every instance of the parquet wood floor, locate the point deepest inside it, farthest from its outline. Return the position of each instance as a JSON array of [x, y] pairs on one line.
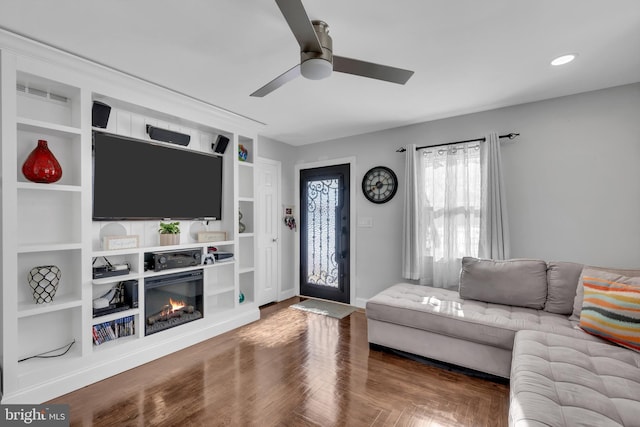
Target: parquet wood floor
[[291, 368]]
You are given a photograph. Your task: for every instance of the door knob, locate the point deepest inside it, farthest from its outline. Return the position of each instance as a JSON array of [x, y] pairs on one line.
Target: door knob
[[275, 239]]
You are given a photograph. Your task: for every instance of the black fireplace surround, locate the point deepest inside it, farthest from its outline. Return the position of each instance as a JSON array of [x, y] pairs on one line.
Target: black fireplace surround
[[171, 300]]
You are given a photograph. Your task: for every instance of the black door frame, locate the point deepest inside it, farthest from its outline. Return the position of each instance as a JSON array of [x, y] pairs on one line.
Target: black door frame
[[344, 233]]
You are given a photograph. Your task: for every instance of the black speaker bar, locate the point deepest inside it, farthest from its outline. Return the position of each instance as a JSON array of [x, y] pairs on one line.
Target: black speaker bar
[[165, 135]]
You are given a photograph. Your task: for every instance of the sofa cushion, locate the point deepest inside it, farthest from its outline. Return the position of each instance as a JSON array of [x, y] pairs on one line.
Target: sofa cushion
[[562, 282], [558, 380], [577, 301], [442, 311], [611, 307], [517, 282]]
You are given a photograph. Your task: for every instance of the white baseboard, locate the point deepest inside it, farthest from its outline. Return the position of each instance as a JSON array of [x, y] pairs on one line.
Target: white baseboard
[[290, 293], [361, 302]]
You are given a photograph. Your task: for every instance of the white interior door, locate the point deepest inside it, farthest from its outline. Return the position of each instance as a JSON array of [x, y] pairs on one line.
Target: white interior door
[[268, 229]]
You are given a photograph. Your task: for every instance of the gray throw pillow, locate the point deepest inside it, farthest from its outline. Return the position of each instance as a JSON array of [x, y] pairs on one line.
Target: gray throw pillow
[[562, 281], [517, 282]]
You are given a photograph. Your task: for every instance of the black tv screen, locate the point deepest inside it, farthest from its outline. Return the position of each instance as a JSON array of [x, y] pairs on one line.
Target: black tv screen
[[135, 179]]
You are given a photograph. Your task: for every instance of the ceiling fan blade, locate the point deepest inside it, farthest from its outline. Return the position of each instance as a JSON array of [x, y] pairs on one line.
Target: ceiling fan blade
[[274, 84], [371, 70], [300, 25]]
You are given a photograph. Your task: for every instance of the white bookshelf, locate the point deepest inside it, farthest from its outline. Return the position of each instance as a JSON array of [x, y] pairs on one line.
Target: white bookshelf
[[246, 246], [47, 94]]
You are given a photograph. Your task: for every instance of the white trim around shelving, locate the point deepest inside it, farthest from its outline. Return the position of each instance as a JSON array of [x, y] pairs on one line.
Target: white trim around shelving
[[48, 247], [32, 125], [114, 316], [59, 303], [48, 187], [220, 291]]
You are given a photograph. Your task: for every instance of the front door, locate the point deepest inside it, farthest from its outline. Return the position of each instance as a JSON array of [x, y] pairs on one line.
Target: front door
[[324, 233]]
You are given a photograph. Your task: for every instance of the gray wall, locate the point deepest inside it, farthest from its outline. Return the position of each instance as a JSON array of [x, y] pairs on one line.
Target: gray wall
[[572, 178]]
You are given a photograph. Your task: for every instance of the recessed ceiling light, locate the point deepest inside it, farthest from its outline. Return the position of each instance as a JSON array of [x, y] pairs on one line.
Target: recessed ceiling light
[[564, 59]]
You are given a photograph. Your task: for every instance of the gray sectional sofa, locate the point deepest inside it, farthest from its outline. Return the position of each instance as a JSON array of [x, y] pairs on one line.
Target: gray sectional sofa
[[517, 319]]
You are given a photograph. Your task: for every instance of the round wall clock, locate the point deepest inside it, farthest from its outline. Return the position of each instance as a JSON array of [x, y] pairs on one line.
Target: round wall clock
[[379, 184]]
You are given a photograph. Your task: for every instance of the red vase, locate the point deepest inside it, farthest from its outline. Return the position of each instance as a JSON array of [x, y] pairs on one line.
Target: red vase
[[41, 165]]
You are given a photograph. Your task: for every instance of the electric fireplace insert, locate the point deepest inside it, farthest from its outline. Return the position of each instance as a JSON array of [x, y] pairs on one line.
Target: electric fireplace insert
[[171, 300]]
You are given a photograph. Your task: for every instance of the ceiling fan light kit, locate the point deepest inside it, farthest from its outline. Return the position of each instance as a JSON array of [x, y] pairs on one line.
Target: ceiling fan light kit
[[316, 69], [318, 65], [316, 54]]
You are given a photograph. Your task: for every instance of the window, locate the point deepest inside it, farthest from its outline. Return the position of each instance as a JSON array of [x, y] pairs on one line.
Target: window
[[455, 206], [449, 185]]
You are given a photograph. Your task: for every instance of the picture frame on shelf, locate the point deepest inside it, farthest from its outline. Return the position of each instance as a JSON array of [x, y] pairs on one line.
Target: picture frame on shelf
[[110, 243], [212, 236]]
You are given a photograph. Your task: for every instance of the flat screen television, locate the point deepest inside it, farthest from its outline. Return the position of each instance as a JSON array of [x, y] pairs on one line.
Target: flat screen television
[[142, 180]]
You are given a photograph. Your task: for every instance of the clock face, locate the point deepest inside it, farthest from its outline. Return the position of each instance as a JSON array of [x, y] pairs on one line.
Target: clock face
[[379, 184]]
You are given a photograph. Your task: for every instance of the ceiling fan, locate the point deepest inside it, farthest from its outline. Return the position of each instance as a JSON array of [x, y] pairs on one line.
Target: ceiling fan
[[317, 60]]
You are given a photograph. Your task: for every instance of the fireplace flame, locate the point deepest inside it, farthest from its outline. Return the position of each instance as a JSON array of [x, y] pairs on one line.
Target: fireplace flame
[[176, 305]]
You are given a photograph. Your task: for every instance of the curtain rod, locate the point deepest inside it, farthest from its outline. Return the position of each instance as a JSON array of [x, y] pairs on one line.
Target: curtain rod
[[509, 135]]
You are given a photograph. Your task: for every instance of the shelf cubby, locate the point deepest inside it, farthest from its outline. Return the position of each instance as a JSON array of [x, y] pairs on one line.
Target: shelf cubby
[[219, 304], [246, 207], [48, 217], [114, 328], [69, 290], [128, 307], [46, 100], [219, 278], [247, 287], [131, 259], [65, 147], [34, 372], [247, 143], [245, 180], [246, 253], [48, 331]]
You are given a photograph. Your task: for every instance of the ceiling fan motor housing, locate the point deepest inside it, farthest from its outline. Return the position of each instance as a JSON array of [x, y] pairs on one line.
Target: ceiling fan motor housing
[[314, 69], [316, 54]]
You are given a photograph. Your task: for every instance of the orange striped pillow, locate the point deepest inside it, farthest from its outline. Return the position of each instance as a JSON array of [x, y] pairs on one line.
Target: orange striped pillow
[[611, 307]]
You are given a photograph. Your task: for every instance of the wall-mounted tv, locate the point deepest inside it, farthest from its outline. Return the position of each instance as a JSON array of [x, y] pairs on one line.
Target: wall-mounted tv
[[141, 180]]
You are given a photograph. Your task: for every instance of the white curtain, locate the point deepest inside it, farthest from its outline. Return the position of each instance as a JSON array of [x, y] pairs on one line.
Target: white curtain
[[494, 230], [450, 220], [454, 207]]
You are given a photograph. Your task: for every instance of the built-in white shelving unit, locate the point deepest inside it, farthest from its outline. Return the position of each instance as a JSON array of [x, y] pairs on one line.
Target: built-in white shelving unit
[[47, 94], [246, 202]]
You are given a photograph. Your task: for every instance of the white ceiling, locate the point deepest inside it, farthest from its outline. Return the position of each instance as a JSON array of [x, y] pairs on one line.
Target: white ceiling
[[468, 55]]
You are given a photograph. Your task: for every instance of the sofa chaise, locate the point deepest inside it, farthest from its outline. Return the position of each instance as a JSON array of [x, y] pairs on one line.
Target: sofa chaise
[[518, 319]]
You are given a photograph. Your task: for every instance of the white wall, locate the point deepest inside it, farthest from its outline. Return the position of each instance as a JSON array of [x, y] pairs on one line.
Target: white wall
[[572, 178]]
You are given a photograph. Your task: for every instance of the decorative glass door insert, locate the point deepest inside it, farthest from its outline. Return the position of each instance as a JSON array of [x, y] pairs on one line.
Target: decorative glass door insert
[[324, 239]]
